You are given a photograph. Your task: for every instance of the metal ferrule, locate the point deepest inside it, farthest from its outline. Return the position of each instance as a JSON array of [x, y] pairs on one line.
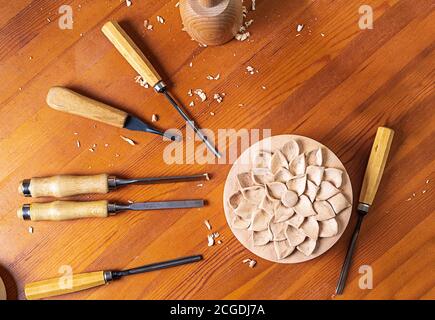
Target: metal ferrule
[[111, 182], [107, 276], [160, 86], [363, 208], [112, 209], [25, 209], [25, 188]]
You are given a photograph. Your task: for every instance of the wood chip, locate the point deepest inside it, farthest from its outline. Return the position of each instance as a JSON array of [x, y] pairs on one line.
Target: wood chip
[[128, 3], [299, 27], [30, 229], [141, 81], [91, 149], [253, 5], [210, 240], [191, 104], [154, 118], [207, 224], [201, 94], [209, 77], [128, 140], [190, 93], [160, 19], [251, 262], [218, 97], [251, 70], [78, 143]]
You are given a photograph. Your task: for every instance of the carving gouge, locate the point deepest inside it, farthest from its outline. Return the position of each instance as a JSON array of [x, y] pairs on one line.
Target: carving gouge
[[69, 185], [372, 178], [78, 282], [69, 210], [65, 100], [135, 57]]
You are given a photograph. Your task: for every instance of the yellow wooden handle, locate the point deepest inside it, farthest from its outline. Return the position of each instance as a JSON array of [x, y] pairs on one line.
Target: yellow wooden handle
[[130, 51], [64, 210], [64, 186], [63, 285], [376, 164], [66, 100]]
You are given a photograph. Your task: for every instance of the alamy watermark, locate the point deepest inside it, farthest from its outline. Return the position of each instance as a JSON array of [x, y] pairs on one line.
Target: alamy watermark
[[66, 20], [230, 143], [366, 280], [366, 17]]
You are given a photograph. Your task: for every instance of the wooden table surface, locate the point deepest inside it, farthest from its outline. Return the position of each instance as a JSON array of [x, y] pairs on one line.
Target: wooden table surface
[[334, 83]]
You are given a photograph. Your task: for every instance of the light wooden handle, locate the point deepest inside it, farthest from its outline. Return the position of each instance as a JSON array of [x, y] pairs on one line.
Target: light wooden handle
[[130, 51], [63, 285], [376, 164], [64, 210], [66, 100], [64, 186]]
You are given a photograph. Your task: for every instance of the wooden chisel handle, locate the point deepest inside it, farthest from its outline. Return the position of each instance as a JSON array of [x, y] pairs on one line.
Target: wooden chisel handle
[[65, 100], [63, 285], [63, 210], [64, 186], [376, 164], [130, 51]]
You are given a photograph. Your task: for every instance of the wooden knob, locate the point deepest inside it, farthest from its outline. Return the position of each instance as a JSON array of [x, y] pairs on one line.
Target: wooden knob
[[64, 186], [211, 22], [63, 210], [63, 285], [375, 167], [65, 100], [130, 51]]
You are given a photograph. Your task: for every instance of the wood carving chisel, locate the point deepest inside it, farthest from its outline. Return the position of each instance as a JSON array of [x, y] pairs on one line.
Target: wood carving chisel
[[136, 58], [372, 178], [66, 100], [70, 185], [82, 281], [69, 210]]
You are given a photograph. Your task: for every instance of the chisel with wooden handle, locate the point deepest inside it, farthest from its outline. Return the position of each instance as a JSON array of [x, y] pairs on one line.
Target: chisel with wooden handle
[[78, 282], [70, 185], [69, 210], [372, 178], [135, 57], [66, 100]]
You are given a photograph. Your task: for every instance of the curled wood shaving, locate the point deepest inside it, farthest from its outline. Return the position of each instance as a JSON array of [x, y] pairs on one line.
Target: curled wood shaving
[[128, 140], [207, 224], [160, 19], [251, 262], [141, 81], [210, 240], [201, 94]]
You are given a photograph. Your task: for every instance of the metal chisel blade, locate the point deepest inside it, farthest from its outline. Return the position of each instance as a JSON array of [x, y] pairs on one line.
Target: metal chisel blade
[[178, 204]]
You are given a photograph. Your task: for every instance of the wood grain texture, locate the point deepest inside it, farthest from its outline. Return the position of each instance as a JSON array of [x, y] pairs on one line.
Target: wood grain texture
[[211, 22], [66, 210], [67, 185], [376, 165], [334, 83]]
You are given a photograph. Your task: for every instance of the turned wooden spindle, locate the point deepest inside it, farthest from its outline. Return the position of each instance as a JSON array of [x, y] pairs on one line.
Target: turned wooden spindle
[[211, 22]]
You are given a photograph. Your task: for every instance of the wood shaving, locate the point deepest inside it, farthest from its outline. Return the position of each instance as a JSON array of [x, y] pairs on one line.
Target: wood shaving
[[147, 25], [219, 242], [141, 81], [251, 70], [191, 64], [154, 118], [203, 45], [201, 94], [299, 27], [253, 5], [248, 23], [78, 143], [190, 93], [191, 104], [200, 185], [244, 11], [207, 224], [106, 145], [251, 262], [218, 97], [209, 77], [91, 149], [212, 113], [243, 34], [128, 140], [160, 19], [177, 4], [128, 3], [30, 229], [210, 240]]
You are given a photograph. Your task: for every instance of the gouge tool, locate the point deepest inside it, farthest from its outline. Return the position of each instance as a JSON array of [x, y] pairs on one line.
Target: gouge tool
[[69, 210], [82, 281], [136, 58], [372, 178], [70, 185], [66, 100]]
